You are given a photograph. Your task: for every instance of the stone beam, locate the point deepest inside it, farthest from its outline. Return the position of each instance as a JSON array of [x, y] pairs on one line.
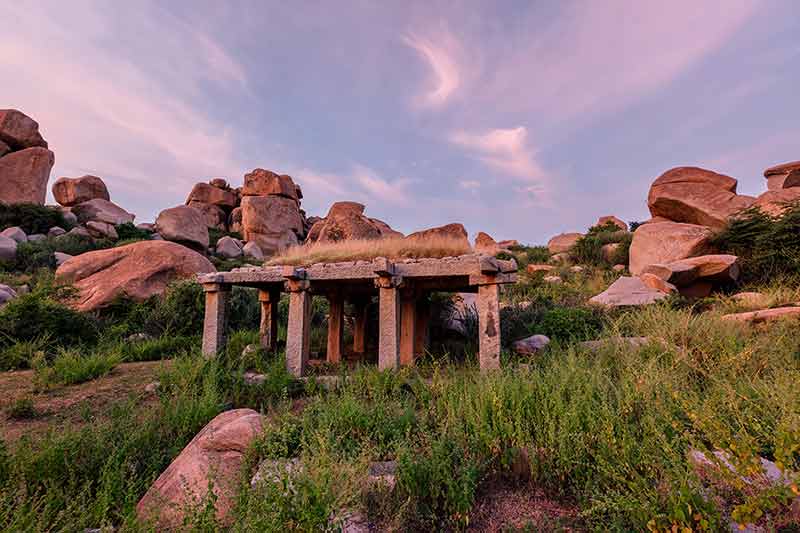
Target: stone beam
[[215, 322], [489, 326], [335, 327], [268, 331]]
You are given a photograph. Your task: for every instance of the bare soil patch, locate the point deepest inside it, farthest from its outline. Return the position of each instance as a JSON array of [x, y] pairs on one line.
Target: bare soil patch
[[76, 405]]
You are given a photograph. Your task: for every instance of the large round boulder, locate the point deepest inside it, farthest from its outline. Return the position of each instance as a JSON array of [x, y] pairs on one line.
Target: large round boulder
[[19, 131], [665, 242], [272, 222], [24, 175], [213, 460], [783, 176], [73, 191], [696, 196], [185, 225], [213, 215], [563, 242], [138, 271], [210, 194], [262, 182], [775, 202], [101, 210]]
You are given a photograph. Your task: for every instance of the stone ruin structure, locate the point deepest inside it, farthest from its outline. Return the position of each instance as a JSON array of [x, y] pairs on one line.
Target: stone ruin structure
[[402, 287]]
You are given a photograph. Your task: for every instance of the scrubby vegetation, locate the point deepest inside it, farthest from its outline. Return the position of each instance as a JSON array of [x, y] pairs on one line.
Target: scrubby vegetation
[[32, 218], [354, 250], [589, 248]]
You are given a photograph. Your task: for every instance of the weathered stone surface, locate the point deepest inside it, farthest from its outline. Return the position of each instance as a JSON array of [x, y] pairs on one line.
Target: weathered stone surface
[[8, 249], [774, 202], [717, 268], [101, 210], [62, 258], [535, 269], [272, 222], [139, 270], [69, 216], [229, 247], [24, 175], [219, 183], [784, 181], [610, 251], [764, 315], [4, 148], [19, 131], [751, 298], [183, 224], [563, 242], [345, 221], [262, 182], [627, 291], [74, 191], [455, 232], [235, 221], [6, 294], [530, 345], [665, 242], [602, 221], [146, 226], [655, 282], [783, 168], [696, 196], [214, 457], [15, 233], [485, 243], [56, 231], [251, 249], [618, 268], [552, 279], [213, 215], [207, 193], [562, 257], [101, 230]]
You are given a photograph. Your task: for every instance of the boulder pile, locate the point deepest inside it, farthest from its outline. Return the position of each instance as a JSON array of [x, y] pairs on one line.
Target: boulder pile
[[346, 220], [25, 161]]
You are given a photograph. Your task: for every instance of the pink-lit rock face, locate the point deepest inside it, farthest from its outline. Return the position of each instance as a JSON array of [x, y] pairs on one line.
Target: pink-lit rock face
[[24, 175], [666, 242], [19, 131], [215, 455], [696, 196], [72, 191]]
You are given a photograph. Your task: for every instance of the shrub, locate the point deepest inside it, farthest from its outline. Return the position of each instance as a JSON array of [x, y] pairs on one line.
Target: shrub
[[129, 232], [588, 249], [33, 255], [40, 314], [70, 367], [18, 355], [570, 324], [767, 246], [22, 409], [32, 218], [165, 347]]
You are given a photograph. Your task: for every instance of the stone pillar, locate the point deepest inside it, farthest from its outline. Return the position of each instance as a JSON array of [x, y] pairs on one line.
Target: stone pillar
[[408, 325], [269, 318], [335, 327], [422, 328], [389, 330], [360, 325], [298, 331], [489, 326], [216, 318]]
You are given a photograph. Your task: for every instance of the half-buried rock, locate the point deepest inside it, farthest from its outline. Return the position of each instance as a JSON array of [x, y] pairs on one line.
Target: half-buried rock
[[626, 292], [138, 271], [213, 458], [665, 242], [185, 225]]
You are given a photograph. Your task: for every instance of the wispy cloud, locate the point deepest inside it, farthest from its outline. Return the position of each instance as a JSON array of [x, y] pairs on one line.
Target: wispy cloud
[[441, 51], [505, 150]]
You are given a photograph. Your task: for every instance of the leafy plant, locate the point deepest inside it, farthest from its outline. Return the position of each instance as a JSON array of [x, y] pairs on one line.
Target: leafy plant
[[32, 218]]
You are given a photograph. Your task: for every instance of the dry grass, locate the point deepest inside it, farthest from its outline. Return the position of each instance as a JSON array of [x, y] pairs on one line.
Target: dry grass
[[366, 250]]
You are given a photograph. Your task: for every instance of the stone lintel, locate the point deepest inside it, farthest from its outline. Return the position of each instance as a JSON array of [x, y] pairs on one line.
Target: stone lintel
[[488, 264], [216, 287], [383, 267], [293, 273], [497, 279]]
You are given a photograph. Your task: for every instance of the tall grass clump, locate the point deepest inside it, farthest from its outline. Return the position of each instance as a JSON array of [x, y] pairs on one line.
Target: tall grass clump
[[588, 250], [71, 366], [768, 246], [361, 249]]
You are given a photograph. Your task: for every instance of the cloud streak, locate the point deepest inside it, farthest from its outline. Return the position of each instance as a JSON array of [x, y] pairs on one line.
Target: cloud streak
[[440, 52], [505, 150]]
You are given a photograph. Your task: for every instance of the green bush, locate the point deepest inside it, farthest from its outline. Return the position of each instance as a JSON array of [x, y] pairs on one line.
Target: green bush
[[588, 250], [33, 255], [71, 366], [41, 314], [21, 409], [156, 349], [767, 246], [570, 324], [32, 218], [129, 232], [18, 355]]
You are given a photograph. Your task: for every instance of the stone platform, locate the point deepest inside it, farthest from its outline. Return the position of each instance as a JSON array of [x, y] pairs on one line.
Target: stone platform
[[402, 288]]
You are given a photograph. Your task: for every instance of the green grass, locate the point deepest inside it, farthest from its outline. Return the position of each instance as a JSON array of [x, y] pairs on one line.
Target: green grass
[[71, 366]]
